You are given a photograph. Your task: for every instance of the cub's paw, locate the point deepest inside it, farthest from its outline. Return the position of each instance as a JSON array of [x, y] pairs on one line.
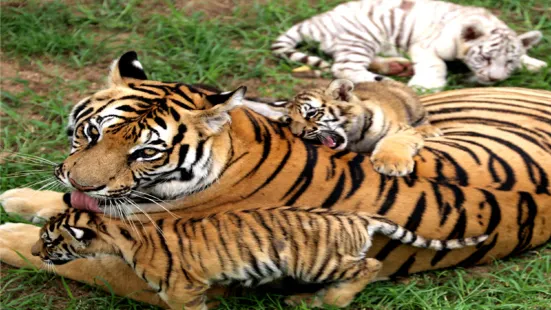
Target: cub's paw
[[426, 84], [392, 163], [428, 131], [31, 204], [16, 241], [398, 66], [311, 300], [532, 64]]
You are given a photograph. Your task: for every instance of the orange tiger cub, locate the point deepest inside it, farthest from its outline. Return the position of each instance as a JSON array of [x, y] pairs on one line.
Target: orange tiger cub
[[384, 118], [249, 247]]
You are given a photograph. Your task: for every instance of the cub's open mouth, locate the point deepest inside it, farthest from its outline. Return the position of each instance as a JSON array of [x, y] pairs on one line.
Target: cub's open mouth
[[56, 262], [331, 139]]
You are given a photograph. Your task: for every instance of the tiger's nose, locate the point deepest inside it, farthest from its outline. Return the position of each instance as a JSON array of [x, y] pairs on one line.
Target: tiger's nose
[[35, 250]]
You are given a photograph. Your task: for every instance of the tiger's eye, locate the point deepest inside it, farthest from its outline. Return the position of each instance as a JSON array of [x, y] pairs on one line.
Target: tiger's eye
[[149, 152]]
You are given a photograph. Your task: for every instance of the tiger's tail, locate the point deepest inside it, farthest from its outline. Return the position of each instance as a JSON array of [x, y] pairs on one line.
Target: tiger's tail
[[285, 46], [394, 231]]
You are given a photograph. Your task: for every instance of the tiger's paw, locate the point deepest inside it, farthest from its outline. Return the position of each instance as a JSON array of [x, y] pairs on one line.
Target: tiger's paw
[[397, 66], [532, 64], [311, 300], [429, 131], [33, 205], [16, 241], [392, 163]]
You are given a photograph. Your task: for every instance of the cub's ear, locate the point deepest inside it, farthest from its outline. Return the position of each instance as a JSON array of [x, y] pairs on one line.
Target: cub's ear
[[530, 38], [125, 69], [80, 234], [471, 32], [340, 89], [211, 121]]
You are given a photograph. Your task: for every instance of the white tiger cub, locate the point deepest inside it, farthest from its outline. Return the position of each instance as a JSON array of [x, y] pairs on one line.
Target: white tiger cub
[[431, 32]]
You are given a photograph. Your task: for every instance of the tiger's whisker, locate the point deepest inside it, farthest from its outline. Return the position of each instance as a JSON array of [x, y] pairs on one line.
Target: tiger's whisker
[[14, 161], [32, 158], [143, 228], [151, 197], [150, 219], [158, 204], [31, 184]]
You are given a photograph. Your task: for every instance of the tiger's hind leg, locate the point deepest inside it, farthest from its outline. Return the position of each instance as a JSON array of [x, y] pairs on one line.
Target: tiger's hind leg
[[187, 295], [341, 294], [356, 274], [393, 155], [398, 66]]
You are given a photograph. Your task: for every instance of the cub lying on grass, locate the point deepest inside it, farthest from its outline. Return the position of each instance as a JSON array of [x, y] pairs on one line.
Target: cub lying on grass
[[250, 246]]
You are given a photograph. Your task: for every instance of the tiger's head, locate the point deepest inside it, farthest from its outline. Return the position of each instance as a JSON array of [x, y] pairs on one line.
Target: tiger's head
[[72, 235], [494, 55], [141, 139], [325, 114]]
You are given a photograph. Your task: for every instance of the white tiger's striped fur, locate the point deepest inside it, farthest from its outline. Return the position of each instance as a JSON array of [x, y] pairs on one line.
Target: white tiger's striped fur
[[431, 32]]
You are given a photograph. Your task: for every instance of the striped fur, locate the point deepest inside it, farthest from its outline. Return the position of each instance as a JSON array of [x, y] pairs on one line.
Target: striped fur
[[250, 246], [430, 32], [488, 174], [153, 138], [383, 118]]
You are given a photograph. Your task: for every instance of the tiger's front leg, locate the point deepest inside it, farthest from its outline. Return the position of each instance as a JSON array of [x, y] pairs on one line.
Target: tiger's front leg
[[34, 205], [393, 155], [430, 70]]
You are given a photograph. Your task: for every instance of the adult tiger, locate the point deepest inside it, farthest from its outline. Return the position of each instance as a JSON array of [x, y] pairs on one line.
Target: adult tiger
[[489, 174], [430, 32]]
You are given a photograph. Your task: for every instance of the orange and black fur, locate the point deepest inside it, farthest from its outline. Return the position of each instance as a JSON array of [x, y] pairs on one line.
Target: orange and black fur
[[384, 118], [488, 174], [250, 247]]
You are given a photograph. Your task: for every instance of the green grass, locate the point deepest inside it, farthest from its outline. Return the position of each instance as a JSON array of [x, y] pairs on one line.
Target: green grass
[[223, 49]]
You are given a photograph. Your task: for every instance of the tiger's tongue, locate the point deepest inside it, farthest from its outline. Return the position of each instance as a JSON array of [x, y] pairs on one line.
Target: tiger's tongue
[[80, 200], [328, 141]]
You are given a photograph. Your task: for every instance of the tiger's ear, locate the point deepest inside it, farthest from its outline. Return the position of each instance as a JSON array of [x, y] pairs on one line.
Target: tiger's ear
[[80, 234], [211, 121], [340, 89], [471, 32], [530, 38], [125, 69]]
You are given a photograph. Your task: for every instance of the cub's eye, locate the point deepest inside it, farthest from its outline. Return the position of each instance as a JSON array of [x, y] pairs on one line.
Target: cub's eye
[[145, 154], [311, 114]]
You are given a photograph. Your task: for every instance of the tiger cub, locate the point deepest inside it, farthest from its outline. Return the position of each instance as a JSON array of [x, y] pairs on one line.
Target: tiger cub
[[383, 118], [430, 32], [249, 247]]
